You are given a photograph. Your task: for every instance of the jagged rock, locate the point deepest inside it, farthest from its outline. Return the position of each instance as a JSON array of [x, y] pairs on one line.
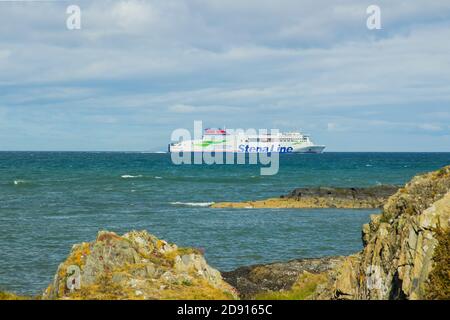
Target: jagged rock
[[136, 265], [399, 244]]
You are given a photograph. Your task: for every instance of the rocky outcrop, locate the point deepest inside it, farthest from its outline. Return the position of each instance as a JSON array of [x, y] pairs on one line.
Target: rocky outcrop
[[281, 276], [322, 197], [136, 265], [399, 245]]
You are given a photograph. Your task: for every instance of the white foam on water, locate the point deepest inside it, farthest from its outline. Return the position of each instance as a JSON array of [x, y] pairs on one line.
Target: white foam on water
[[153, 152], [192, 204], [128, 176], [156, 177], [17, 182]]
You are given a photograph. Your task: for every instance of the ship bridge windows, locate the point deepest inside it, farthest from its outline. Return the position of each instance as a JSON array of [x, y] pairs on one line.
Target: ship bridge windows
[[265, 139], [287, 140]]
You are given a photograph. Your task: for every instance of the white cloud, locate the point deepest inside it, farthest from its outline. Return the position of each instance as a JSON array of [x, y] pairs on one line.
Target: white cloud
[[430, 127], [333, 127], [4, 54], [133, 15], [182, 108]]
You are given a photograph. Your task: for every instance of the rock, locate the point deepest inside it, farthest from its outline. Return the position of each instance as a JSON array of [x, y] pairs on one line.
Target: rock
[[375, 192], [322, 197], [257, 279], [399, 245], [136, 265]]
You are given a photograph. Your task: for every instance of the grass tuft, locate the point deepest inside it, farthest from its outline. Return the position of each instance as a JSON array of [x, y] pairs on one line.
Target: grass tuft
[[303, 289], [11, 296]]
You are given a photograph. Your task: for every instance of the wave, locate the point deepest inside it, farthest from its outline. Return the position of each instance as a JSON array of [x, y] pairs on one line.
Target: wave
[[214, 179], [128, 176], [146, 152], [19, 182], [192, 204], [156, 177]]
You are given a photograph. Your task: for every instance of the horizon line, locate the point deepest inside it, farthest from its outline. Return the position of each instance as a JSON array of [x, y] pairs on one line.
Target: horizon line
[[162, 152]]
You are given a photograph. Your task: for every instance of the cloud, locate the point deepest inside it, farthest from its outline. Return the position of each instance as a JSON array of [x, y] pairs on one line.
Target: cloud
[[430, 127], [255, 63], [333, 127], [182, 108], [133, 15]]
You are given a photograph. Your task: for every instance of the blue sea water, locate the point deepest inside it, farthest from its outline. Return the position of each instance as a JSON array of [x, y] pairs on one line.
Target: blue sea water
[[51, 200]]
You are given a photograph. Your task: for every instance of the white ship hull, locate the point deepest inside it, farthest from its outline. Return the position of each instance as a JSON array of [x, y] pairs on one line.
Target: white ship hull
[[306, 149], [222, 142]]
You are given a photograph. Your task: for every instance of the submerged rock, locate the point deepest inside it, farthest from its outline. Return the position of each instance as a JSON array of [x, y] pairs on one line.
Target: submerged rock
[[322, 197], [136, 265], [399, 246]]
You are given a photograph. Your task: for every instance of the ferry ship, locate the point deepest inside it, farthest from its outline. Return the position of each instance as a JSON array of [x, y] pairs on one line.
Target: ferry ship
[[219, 140]]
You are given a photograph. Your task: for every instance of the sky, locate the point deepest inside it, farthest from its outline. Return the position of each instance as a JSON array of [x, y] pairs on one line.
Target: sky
[[137, 70]]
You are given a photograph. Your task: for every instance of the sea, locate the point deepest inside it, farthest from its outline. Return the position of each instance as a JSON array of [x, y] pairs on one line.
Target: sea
[[52, 200]]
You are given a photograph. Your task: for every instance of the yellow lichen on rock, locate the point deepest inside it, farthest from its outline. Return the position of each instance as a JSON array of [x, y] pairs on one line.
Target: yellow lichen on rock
[[11, 296], [301, 203], [137, 265]]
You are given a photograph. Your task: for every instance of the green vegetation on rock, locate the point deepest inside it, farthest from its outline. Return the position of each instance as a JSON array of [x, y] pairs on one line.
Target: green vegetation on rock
[[11, 296], [303, 289], [439, 285]]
